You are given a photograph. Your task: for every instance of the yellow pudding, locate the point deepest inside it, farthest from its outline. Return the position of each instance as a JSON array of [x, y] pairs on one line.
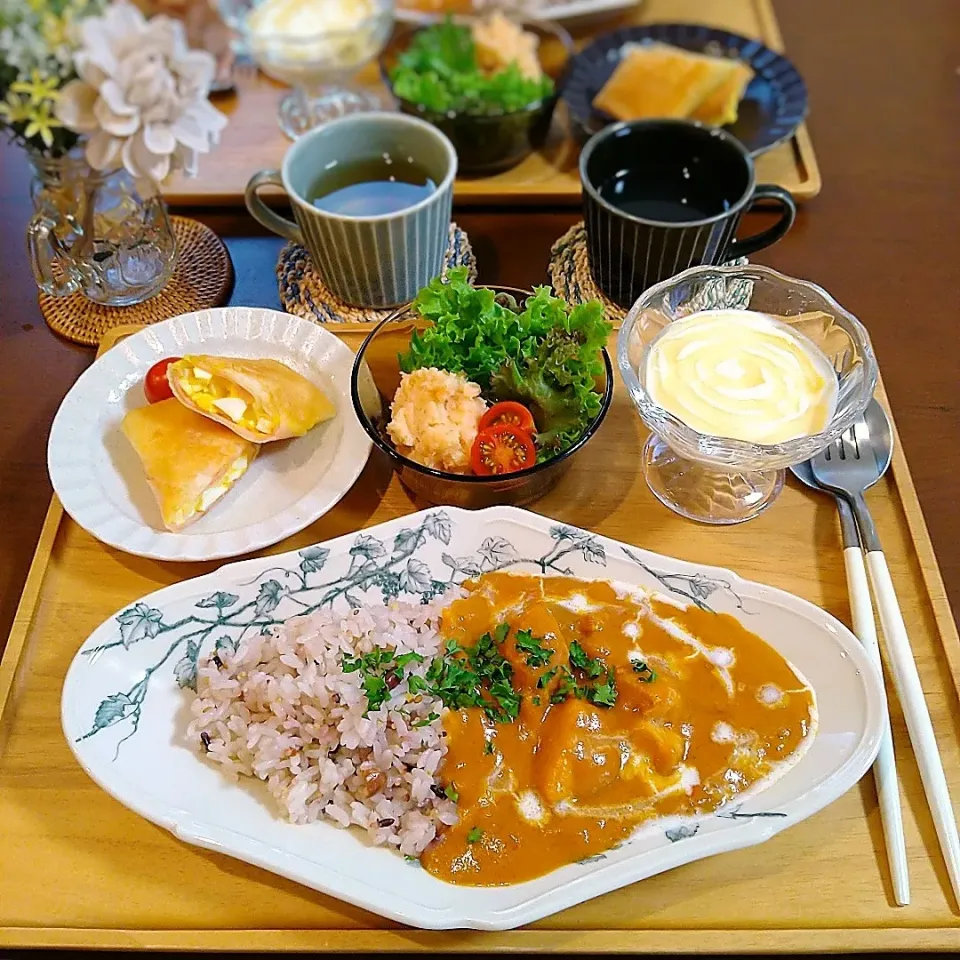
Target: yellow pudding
[[741, 375]]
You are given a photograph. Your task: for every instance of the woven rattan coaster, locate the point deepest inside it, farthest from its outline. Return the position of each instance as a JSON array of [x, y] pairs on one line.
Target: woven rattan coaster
[[202, 278], [570, 273], [303, 294], [571, 277]]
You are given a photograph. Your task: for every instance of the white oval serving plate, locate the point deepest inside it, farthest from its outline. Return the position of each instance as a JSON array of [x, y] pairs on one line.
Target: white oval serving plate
[[126, 695], [100, 481]]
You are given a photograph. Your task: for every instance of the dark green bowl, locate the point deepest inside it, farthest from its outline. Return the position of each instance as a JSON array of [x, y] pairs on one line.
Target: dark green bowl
[[488, 144]]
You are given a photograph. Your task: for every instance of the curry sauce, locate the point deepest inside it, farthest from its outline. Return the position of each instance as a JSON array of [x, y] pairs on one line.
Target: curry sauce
[[630, 708]]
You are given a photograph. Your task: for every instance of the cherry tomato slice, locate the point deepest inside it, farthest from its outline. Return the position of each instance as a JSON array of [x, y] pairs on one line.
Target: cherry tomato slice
[[155, 384], [502, 449], [511, 412]]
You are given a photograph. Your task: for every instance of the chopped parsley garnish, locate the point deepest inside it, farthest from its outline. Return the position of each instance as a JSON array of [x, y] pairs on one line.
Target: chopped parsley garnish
[[591, 666], [382, 670], [603, 694], [644, 673], [530, 646], [545, 678], [566, 687], [376, 690], [474, 835], [406, 658], [489, 747], [536, 701], [477, 676], [425, 721], [500, 634], [450, 792]]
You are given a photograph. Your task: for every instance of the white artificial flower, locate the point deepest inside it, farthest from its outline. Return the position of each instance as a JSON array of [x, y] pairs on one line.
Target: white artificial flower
[[141, 95]]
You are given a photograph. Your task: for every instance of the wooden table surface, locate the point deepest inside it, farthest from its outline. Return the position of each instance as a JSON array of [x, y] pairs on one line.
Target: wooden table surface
[[883, 237]]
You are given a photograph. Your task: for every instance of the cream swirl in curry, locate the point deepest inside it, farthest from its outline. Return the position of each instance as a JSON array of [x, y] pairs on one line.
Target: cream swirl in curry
[[604, 708], [742, 375]]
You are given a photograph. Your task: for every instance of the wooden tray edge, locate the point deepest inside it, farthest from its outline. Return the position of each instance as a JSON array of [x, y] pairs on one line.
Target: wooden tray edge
[[838, 940], [926, 556], [471, 193], [719, 942], [13, 661]]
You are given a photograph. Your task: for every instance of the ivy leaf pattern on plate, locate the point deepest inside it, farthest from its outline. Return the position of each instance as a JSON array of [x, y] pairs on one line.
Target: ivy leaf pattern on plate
[[137, 622], [268, 599], [313, 559], [220, 600], [186, 668]]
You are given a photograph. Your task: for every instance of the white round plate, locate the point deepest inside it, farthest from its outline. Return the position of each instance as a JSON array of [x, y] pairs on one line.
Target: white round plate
[[101, 483]]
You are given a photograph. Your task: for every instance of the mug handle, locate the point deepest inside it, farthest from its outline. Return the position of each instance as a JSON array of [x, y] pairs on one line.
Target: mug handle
[[748, 245], [262, 213]]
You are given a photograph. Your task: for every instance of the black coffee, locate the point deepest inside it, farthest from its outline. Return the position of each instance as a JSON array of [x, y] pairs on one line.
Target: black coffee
[[371, 187], [663, 194]]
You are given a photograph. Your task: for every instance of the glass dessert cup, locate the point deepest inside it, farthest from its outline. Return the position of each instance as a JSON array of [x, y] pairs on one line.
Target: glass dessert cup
[[317, 66], [716, 479]]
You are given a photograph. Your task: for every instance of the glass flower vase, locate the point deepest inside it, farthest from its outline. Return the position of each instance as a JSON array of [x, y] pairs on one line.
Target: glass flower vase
[[95, 233]]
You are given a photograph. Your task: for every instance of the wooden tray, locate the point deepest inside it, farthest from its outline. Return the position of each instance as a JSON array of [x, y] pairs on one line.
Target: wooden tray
[[79, 870], [253, 141]]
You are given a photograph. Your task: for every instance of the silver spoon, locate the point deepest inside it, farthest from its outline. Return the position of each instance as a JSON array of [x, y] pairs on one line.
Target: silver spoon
[[864, 626], [848, 467]]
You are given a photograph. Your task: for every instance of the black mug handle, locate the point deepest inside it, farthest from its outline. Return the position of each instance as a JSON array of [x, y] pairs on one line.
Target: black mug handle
[[748, 245]]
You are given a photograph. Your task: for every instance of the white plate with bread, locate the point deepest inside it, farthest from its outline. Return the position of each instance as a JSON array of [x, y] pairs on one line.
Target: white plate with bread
[[256, 439]]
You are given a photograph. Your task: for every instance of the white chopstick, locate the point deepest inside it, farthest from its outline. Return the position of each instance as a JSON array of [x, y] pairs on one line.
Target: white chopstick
[[910, 693], [884, 767]]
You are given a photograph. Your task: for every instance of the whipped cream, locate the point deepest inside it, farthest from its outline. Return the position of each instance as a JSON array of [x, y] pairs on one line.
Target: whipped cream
[[741, 375], [287, 35]]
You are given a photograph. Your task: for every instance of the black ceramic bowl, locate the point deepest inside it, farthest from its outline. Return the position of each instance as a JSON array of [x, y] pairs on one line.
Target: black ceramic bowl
[[488, 144], [375, 378]]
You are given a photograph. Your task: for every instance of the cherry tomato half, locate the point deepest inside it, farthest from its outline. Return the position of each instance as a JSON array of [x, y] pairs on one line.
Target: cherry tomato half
[[511, 412], [155, 384], [502, 449]]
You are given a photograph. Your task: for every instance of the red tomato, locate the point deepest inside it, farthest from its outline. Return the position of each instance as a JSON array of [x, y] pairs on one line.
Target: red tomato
[[511, 412], [502, 449], [155, 384]]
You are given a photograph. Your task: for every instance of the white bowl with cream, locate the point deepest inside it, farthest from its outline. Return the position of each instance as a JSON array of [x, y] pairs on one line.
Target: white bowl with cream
[[739, 372]]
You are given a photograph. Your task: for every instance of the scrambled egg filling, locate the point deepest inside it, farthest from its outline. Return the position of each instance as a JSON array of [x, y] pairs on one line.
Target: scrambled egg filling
[[214, 394], [213, 493]]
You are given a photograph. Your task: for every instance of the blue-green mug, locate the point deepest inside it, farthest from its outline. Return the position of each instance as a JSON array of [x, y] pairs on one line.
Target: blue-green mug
[[366, 261]]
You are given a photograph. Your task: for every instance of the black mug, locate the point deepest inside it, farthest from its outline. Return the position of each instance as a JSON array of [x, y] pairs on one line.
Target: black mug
[[660, 196]]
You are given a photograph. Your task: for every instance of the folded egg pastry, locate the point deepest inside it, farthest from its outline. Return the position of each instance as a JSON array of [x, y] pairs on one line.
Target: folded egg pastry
[[190, 461], [261, 400]]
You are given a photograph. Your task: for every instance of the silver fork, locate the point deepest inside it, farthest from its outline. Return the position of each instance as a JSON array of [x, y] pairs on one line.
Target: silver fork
[[848, 467]]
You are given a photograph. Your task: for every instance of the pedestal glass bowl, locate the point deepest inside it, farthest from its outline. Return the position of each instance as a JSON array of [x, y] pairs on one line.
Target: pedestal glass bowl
[[318, 64], [716, 479]]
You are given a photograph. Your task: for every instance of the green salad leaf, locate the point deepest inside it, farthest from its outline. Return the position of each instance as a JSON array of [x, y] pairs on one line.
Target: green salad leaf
[[543, 354], [439, 72], [560, 379]]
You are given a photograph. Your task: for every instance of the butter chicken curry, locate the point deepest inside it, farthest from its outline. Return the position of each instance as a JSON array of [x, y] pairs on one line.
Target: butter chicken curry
[[581, 709]]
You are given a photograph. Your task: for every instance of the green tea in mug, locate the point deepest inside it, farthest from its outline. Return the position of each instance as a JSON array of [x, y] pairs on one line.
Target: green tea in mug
[[371, 187]]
